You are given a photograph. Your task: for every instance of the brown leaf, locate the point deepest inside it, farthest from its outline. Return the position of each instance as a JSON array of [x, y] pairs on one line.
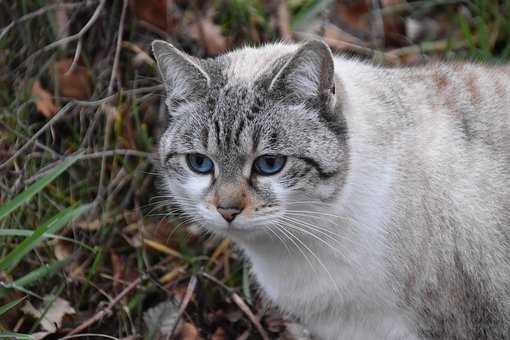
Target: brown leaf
[[160, 13], [63, 249], [43, 100], [209, 34], [188, 331], [74, 84], [89, 225], [219, 334], [354, 14]]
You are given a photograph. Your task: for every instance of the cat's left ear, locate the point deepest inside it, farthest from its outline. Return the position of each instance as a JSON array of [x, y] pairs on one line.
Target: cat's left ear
[[309, 72], [183, 77]]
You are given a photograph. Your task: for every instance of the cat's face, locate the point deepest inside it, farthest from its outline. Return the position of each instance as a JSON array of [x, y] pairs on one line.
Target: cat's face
[[239, 154]]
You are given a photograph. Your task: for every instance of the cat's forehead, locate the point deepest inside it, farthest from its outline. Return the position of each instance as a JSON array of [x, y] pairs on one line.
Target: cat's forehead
[[250, 64], [236, 100]]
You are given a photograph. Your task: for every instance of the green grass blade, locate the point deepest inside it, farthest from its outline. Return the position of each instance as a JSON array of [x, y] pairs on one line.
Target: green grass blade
[[28, 193], [27, 232], [33, 277], [52, 226], [5, 308]]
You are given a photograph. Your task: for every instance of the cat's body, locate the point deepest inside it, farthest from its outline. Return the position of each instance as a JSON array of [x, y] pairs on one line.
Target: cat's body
[[391, 216]]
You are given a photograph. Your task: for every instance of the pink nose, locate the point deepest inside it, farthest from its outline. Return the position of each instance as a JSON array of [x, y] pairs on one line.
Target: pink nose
[[229, 213]]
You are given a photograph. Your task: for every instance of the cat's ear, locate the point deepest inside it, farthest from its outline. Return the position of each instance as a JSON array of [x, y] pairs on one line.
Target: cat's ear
[[183, 77], [309, 72]]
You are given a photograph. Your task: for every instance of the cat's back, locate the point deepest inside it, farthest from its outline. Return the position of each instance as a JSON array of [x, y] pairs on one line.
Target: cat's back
[[437, 141]]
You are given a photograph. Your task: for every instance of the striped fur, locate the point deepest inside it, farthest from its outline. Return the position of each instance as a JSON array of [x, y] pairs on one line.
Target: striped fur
[[391, 217]]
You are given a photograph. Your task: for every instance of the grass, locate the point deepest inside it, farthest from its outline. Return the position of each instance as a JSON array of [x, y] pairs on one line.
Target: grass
[[80, 216]]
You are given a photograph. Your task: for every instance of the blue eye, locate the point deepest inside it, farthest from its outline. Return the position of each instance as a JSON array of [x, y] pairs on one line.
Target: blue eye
[[269, 165], [199, 163]]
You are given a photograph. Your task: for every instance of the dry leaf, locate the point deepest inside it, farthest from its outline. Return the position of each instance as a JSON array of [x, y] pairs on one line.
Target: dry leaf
[[209, 34], [43, 100], [162, 317], [89, 225], [188, 331], [52, 320], [63, 249], [75, 84], [160, 13], [219, 334]]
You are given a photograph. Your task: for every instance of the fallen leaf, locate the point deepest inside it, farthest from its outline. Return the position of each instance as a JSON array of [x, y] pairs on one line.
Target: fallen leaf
[[52, 320], [62, 249], [89, 225], [43, 100], [160, 13], [72, 83], [208, 34], [188, 331], [353, 14], [161, 318], [219, 334]]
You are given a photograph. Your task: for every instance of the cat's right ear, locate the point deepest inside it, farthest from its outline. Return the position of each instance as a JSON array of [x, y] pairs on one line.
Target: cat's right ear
[[184, 79]]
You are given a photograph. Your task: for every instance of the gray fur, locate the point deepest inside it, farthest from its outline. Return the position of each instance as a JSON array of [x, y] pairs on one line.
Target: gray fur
[[407, 172]]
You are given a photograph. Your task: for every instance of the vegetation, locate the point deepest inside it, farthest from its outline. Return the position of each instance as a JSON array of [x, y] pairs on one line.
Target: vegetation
[[86, 245]]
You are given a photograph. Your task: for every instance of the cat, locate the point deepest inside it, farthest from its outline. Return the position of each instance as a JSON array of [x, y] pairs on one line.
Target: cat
[[372, 202]]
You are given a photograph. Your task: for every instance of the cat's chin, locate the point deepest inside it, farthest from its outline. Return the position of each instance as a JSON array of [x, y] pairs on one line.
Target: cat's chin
[[238, 231]]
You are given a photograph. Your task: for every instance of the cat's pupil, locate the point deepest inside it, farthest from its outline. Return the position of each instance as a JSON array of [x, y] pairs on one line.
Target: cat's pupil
[[270, 161]]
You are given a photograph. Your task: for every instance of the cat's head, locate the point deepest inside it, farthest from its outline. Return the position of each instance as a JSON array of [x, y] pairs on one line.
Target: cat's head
[[254, 136]]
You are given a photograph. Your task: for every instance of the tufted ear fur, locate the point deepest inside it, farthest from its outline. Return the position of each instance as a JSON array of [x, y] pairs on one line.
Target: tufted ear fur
[[309, 72], [184, 78]]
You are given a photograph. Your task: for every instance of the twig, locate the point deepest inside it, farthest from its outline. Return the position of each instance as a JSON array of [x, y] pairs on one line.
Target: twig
[[377, 27], [78, 35], [113, 96], [56, 117], [246, 310], [75, 58], [284, 20], [119, 45], [240, 303], [432, 46], [38, 144], [39, 12], [185, 301], [102, 313]]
